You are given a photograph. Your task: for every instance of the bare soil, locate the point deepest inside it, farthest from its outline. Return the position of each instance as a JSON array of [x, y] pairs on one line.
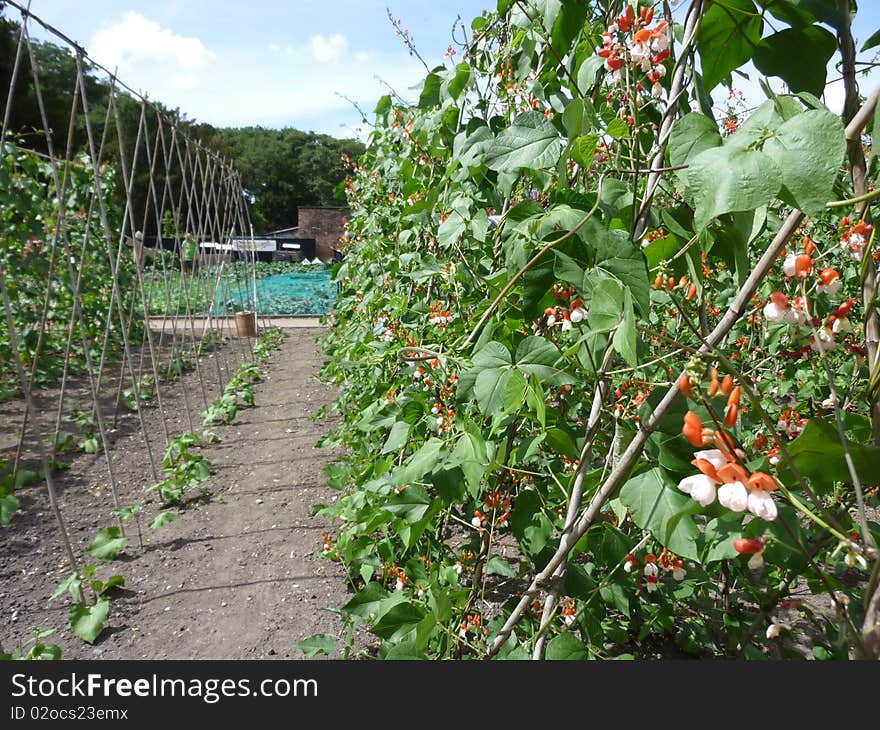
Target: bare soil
[[238, 575]]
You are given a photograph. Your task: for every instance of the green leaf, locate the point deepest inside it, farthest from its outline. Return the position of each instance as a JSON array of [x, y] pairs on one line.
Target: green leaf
[[450, 484], [731, 243], [453, 228], [163, 518], [567, 269], [497, 565], [586, 75], [368, 602], [782, 54], [107, 544], [719, 536], [470, 149], [514, 392], [729, 178], [201, 469], [573, 118], [578, 583], [537, 282], [617, 596], [420, 463], [657, 505], [818, 455], [566, 647], [529, 523], [726, 39], [25, 477], [804, 12], [531, 141], [583, 149], [606, 306], [317, 644], [562, 442], [663, 249], [692, 134], [538, 356], [407, 651], [114, 581], [458, 81], [397, 437], [618, 129], [430, 95], [491, 355], [410, 504], [808, 150], [619, 257], [398, 617], [490, 389], [873, 41], [8, 507], [470, 454], [71, 584], [536, 399], [87, 622], [411, 532], [764, 122], [616, 197], [366, 572], [625, 338]]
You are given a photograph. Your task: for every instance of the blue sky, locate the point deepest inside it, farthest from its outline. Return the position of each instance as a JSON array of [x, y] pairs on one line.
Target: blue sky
[[280, 63], [265, 62]]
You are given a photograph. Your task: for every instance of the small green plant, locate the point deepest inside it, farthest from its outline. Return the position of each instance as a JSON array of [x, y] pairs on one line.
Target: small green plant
[[222, 410], [101, 587], [83, 420], [125, 514], [177, 366], [143, 392], [87, 621], [34, 648], [8, 501], [225, 408], [211, 340], [62, 441], [270, 340], [86, 423], [183, 470], [242, 388], [164, 518]]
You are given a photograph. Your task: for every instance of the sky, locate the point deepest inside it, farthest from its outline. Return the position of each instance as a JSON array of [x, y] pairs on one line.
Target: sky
[[294, 63], [273, 63]]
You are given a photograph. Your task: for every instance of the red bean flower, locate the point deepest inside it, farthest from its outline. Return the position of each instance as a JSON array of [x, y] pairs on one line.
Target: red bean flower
[[829, 281]]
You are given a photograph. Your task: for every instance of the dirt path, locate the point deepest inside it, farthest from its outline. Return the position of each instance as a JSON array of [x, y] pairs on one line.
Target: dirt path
[[235, 576]]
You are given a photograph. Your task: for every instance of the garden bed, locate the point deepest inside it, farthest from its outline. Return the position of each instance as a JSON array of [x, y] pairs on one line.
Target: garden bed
[[235, 576]]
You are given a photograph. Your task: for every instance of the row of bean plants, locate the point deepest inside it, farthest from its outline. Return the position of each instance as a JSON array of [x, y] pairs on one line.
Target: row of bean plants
[[606, 356]]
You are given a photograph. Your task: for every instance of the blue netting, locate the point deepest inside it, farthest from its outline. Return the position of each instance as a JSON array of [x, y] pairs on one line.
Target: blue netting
[[309, 292]]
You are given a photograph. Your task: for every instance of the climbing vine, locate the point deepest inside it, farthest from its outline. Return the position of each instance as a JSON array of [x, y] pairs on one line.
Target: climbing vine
[[604, 357], [40, 279]]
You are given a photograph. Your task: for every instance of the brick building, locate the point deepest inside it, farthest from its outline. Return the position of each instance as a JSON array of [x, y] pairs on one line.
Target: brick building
[[325, 225]]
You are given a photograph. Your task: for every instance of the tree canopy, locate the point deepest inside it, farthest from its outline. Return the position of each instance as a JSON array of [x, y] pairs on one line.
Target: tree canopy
[[281, 169]]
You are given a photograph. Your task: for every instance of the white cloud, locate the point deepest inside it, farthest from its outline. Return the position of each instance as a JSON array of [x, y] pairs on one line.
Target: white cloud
[[143, 51], [283, 81], [327, 49]]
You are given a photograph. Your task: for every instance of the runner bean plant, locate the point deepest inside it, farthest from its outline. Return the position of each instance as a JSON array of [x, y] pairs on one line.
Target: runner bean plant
[[606, 347]]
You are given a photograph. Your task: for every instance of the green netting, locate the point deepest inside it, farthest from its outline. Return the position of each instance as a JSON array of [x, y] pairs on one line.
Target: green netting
[[309, 292]]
